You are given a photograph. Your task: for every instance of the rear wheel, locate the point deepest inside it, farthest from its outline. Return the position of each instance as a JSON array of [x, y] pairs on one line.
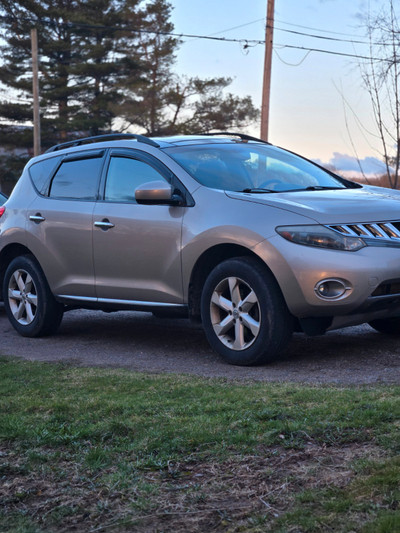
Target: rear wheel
[[391, 326], [29, 303], [244, 315]]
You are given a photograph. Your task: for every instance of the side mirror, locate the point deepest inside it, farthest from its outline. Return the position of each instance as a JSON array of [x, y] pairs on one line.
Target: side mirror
[[157, 193]]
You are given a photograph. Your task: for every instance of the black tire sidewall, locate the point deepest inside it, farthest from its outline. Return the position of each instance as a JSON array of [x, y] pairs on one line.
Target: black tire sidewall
[[275, 327], [48, 311]]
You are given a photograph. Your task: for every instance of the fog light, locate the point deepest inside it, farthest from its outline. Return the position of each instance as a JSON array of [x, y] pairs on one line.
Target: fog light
[[331, 289]]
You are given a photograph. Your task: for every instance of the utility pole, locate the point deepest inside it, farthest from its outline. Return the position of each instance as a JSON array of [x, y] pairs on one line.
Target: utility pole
[[35, 90], [269, 34]]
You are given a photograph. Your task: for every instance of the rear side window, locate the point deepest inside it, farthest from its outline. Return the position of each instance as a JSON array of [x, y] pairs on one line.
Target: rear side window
[[41, 172], [77, 179]]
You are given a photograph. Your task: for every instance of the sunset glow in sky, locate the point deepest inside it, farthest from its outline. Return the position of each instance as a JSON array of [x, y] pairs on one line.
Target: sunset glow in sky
[[308, 89]]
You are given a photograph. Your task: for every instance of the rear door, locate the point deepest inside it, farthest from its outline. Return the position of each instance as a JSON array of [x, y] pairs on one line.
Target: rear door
[[60, 222], [136, 247]]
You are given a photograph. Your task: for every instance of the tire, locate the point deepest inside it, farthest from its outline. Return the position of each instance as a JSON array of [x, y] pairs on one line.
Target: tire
[[28, 301], [244, 315], [390, 326]]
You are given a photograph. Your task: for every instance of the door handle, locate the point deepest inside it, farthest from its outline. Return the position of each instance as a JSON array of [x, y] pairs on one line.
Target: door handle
[[104, 224], [37, 218]]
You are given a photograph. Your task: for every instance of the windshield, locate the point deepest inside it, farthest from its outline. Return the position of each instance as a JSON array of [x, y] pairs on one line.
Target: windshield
[[251, 168]]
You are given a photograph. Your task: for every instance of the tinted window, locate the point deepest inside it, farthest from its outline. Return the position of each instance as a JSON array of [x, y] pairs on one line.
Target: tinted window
[[41, 173], [242, 166], [77, 179], [125, 175]]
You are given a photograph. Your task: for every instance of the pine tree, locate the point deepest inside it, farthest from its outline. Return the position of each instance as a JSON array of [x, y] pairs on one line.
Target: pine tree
[[146, 99], [104, 64], [80, 63], [164, 103]]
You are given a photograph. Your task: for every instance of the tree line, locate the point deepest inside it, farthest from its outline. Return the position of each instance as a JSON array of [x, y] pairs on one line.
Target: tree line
[[105, 65]]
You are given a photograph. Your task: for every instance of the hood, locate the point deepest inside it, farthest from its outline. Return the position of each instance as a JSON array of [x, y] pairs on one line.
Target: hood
[[367, 204]]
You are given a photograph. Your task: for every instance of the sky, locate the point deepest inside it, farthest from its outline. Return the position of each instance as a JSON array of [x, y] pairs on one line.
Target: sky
[[307, 110]]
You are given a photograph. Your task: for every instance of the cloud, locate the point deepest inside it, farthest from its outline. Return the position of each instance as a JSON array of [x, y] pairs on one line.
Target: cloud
[[370, 166]]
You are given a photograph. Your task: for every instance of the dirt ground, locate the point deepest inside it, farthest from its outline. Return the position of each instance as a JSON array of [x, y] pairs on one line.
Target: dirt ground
[[197, 496], [138, 341]]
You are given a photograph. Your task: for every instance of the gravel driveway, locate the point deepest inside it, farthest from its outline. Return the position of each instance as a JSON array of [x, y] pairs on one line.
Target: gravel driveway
[[138, 341]]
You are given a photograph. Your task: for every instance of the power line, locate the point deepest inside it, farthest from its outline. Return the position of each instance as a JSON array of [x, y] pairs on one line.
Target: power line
[[242, 41], [82, 25], [314, 36], [294, 32], [228, 39], [314, 29], [224, 39], [292, 64], [333, 53], [236, 27]]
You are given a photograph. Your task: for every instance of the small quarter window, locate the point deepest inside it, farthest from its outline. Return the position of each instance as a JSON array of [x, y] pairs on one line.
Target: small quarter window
[[41, 172], [125, 175]]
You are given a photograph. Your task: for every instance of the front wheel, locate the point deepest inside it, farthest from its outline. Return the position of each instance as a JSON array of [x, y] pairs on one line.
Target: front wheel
[[28, 301], [391, 326], [244, 315]]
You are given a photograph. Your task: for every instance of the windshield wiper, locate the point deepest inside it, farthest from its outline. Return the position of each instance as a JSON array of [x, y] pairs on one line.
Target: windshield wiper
[[256, 190], [322, 188], [310, 188]]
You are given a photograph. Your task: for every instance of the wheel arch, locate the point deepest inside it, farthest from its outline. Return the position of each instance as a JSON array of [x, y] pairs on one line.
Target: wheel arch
[[208, 260], [10, 252]]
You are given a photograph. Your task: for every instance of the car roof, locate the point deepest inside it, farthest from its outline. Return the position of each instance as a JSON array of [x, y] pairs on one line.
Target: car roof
[[205, 138], [158, 142]]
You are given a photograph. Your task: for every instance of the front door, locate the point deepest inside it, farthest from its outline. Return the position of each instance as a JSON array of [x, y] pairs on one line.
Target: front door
[[136, 247]]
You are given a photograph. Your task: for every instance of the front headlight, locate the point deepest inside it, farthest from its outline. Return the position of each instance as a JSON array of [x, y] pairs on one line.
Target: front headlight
[[321, 237]]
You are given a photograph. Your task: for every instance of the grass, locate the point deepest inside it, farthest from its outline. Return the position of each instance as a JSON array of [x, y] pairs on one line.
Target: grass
[[110, 450]]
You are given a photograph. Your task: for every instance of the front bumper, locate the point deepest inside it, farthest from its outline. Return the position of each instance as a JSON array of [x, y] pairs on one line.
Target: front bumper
[[298, 269]]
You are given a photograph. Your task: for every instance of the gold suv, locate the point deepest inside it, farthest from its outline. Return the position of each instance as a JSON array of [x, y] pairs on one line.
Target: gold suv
[[254, 241]]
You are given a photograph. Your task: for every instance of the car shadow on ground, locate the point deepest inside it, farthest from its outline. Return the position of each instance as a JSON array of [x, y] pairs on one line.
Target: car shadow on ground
[[140, 341]]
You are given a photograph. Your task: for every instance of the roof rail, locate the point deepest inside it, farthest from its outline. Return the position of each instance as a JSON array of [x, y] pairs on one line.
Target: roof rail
[[101, 138], [242, 136]]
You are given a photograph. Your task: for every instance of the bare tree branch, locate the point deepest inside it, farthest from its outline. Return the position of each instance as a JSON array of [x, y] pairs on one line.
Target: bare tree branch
[[382, 82]]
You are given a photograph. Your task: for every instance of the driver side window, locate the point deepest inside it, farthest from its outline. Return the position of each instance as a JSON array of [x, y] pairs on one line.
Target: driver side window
[[125, 175]]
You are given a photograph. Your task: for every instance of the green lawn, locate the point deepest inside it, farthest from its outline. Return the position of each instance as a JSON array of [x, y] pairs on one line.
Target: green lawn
[[88, 449]]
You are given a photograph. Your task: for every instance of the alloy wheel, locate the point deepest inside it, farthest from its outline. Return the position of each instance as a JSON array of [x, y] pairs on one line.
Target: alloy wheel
[[235, 313], [22, 297]]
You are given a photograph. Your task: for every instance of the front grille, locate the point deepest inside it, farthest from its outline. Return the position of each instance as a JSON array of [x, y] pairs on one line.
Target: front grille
[[371, 230]]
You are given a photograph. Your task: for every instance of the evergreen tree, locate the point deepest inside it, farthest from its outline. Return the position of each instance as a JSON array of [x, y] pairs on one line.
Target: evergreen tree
[[164, 103], [80, 62], [101, 60], [145, 99]]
